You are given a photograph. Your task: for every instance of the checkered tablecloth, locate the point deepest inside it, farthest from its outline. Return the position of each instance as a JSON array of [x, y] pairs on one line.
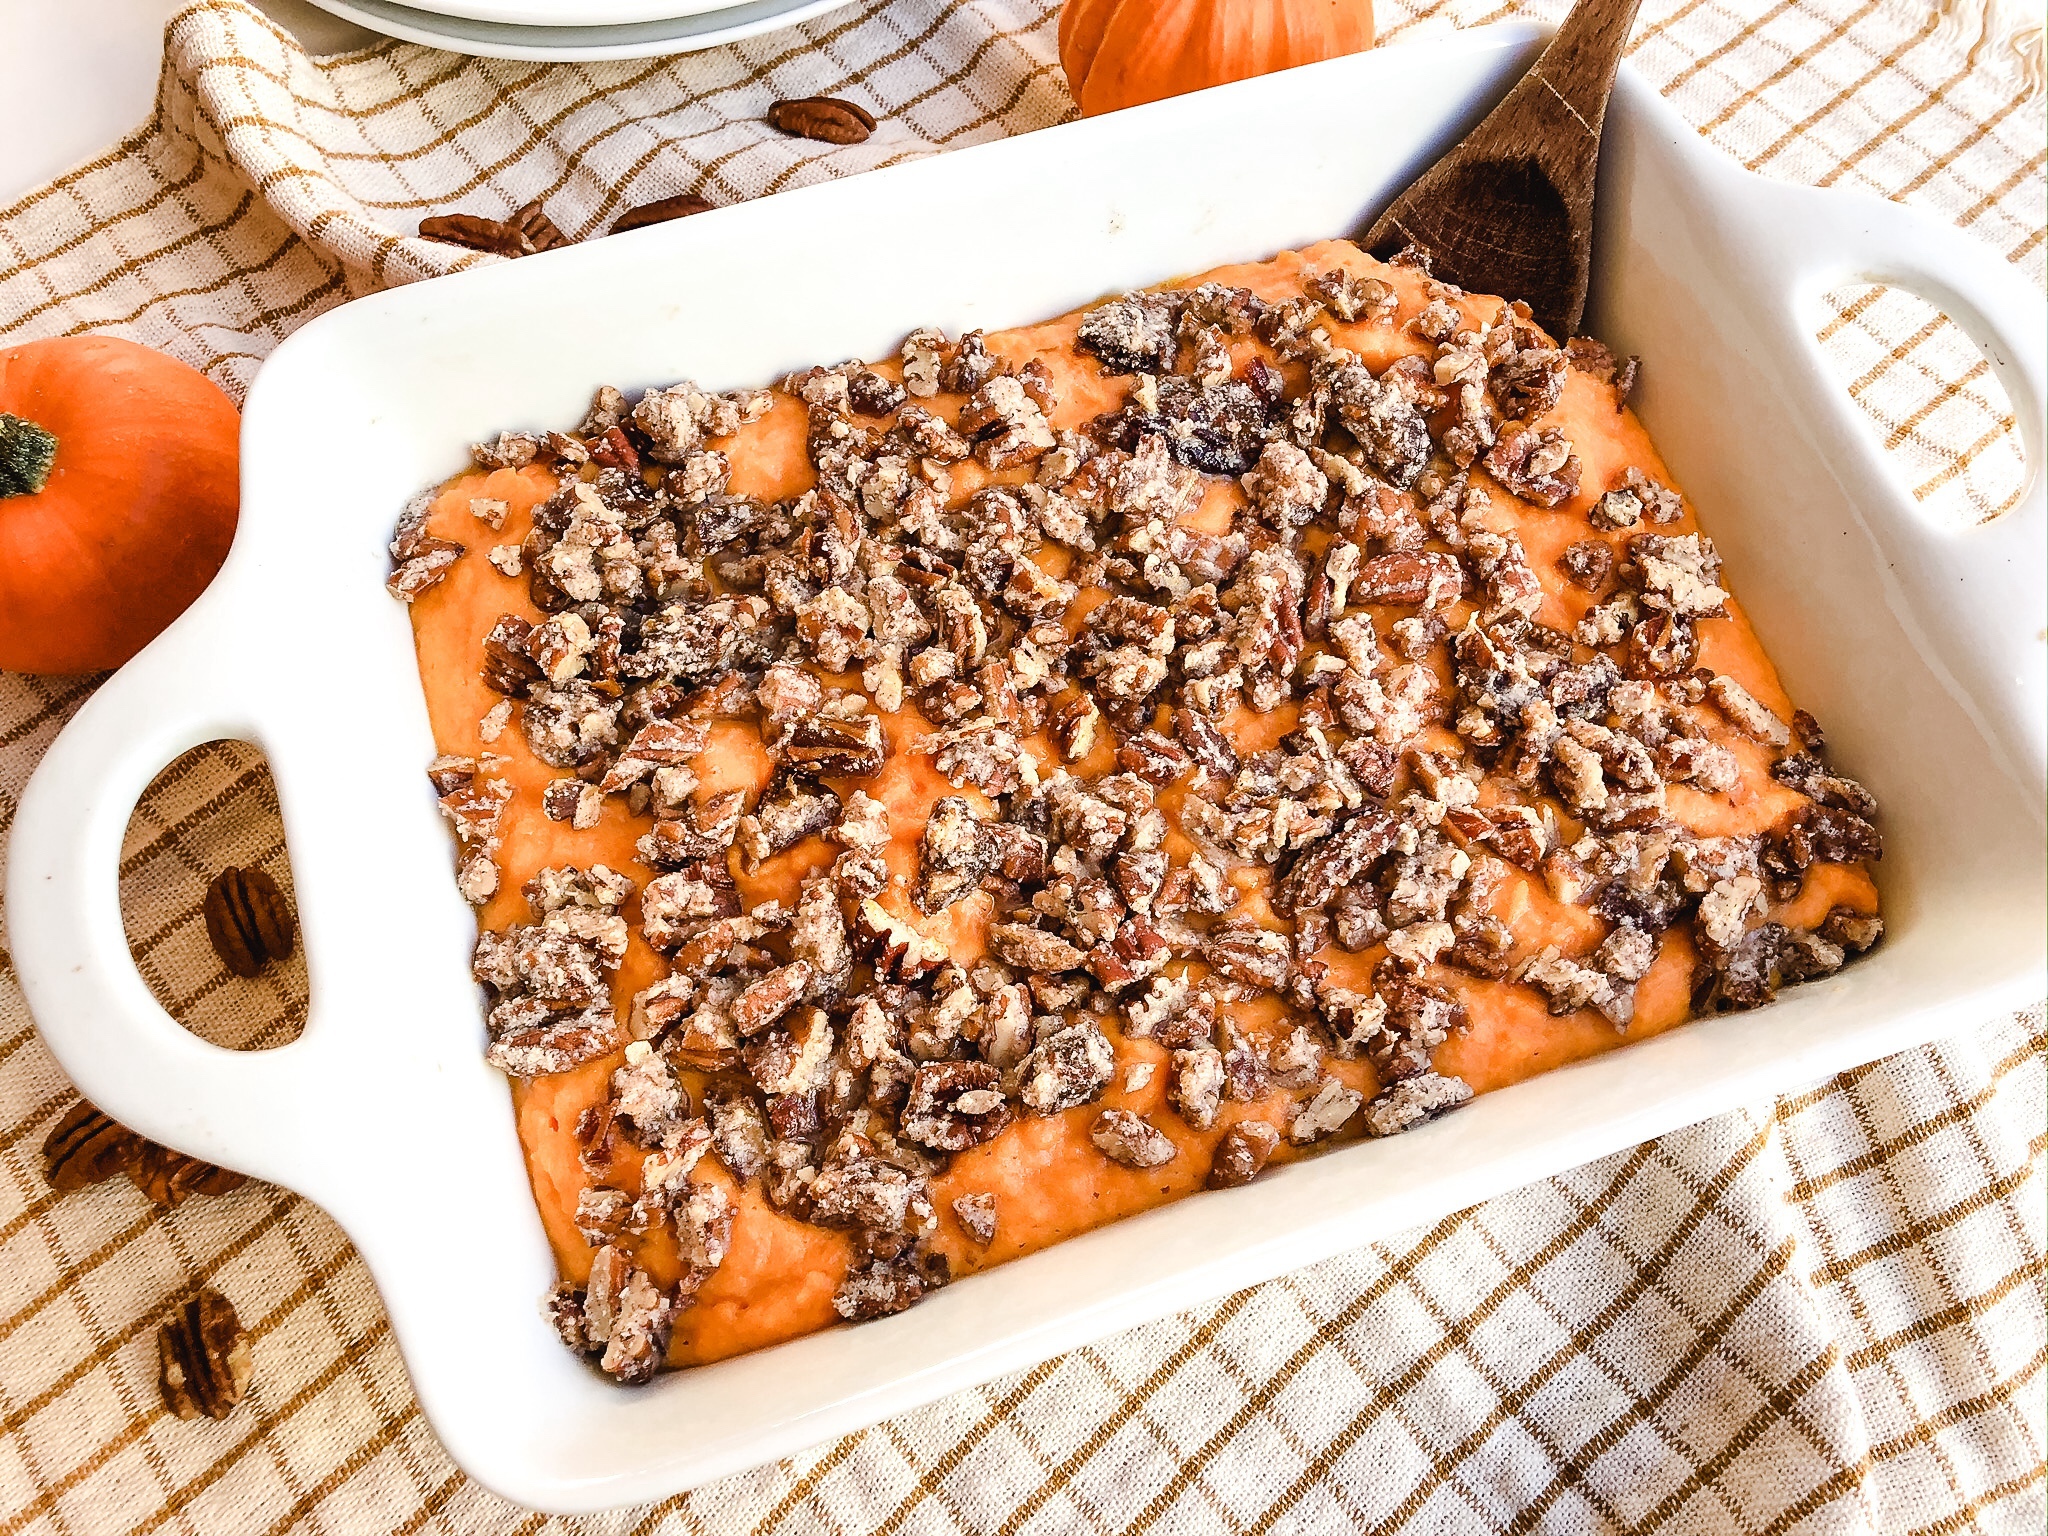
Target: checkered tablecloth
[[1819, 1315]]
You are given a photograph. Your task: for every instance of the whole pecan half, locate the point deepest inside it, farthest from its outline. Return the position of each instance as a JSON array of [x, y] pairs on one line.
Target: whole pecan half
[[525, 233], [825, 118], [168, 1177], [86, 1148], [248, 920], [204, 1354], [660, 211]]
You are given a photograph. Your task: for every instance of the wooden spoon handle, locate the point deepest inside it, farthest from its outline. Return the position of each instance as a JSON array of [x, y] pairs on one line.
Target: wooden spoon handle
[[1557, 108]]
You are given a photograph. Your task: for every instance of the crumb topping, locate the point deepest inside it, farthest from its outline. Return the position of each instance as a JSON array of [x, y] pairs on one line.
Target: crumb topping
[[1074, 650]]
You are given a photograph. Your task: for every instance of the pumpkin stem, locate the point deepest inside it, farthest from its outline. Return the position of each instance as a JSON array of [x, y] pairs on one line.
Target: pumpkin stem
[[26, 454]]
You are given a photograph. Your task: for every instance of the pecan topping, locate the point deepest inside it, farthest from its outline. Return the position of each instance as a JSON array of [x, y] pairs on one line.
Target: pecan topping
[[1033, 948], [825, 118], [1133, 334], [1244, 951], [1429, 579], [1329, 723], [203, 1356], [248, 920], [898, 951]]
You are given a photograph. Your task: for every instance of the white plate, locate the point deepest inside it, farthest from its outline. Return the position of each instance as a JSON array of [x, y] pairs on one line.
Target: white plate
[[676, 26], [1919, 648], [577, 14]]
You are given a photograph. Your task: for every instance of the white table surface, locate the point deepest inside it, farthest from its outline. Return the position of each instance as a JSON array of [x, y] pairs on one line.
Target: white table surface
[[76, 75]]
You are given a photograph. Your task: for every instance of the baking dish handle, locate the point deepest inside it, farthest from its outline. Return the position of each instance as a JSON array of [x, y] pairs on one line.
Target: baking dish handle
[[1826, 237], [248, 1110]]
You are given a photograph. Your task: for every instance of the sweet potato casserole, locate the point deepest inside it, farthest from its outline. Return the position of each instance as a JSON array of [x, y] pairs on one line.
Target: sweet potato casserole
[[922, 811]]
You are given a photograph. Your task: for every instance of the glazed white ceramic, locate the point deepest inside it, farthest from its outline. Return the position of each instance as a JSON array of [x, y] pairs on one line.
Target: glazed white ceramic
[[1921, 649], [569, 13], [642, 31]]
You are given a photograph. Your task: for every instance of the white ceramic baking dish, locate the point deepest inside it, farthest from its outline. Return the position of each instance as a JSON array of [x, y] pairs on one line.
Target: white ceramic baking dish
[[1920, 648]]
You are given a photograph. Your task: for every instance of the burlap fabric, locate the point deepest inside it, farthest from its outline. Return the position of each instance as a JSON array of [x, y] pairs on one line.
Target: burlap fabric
[[1821, 1315]]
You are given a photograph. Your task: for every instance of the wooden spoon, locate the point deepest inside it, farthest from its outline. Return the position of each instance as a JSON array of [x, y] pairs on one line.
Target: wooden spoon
[[1510, 209]]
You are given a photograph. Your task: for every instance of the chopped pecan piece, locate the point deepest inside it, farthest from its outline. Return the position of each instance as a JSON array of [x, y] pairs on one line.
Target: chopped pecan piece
[[1196, 1085], [954, 1105], [508, 668], [1131, 1140], [885, 1282], [1411, 577], [1807, 775], [898, 951], [1747, 711], [1413, 1100], [1075, 727], [977, 1217], [1682, 574], [768, 999], [1153, 758], [426, 569], [1383, 418], [1071, 1066], [1205, 743], [1537, 466], [1246, 952], [955, 854], [1324, 1113], [1242, 1154], [1826, 834], [1034, 949], [1338, 860], [1244, 1067], [858, 1188], [1852, 930], [627, 1316], [1132, 334], [739, 1133], [1529, 383], [791, 812], [1663, 645], [1217, 428], [555, 1044]]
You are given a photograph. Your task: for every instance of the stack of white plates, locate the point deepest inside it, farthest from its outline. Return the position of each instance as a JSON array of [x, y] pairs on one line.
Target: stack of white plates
[[576, 30]]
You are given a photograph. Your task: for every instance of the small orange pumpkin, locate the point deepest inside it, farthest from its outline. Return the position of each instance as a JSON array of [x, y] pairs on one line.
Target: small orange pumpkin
[[119, 482], [1118, 53]]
